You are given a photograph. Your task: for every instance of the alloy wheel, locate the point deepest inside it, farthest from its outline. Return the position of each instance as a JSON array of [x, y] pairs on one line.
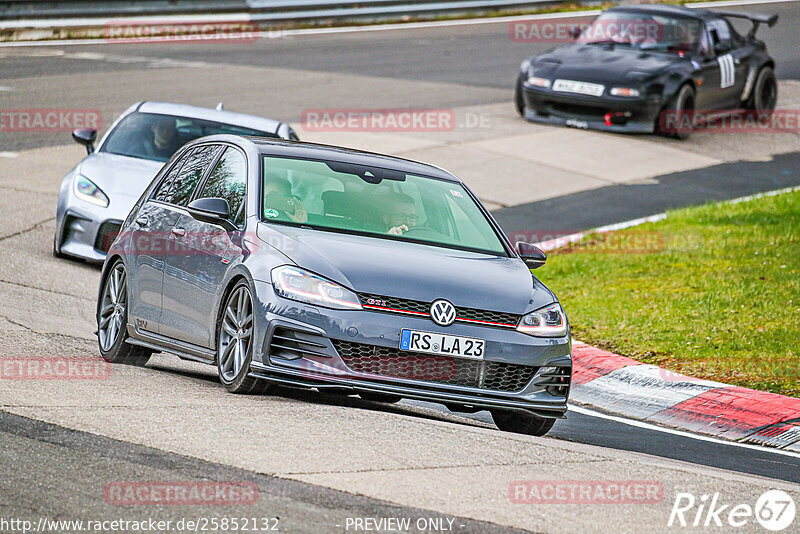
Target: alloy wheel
[[112, 309], [235, 334]]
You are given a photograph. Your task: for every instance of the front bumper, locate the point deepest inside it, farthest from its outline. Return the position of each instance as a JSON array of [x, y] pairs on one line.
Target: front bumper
[[311, 347], [628, 115], [86, 231]]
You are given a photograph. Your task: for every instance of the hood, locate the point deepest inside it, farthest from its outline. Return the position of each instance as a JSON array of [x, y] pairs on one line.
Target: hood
[[413, 271], [606, 64], [119, 175]]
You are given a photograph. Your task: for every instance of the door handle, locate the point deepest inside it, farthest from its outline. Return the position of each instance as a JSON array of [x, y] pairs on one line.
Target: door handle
[[180, 232], [143, 220]]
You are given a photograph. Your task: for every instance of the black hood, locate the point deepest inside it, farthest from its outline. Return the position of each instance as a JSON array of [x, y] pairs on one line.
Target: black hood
[[606, 64]]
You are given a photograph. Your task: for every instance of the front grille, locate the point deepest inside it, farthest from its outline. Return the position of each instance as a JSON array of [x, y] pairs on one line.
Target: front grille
[[578, 110], [106, 235], [418, 307], [393, 363]]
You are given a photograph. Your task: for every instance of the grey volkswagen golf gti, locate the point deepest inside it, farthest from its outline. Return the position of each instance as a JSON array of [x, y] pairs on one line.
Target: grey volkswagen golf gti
[[322, 267]]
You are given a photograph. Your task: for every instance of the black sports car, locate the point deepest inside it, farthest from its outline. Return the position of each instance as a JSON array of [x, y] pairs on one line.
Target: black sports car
[[645, 68]]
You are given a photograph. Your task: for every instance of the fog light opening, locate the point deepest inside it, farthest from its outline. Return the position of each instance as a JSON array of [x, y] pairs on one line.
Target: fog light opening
[[617, 118]]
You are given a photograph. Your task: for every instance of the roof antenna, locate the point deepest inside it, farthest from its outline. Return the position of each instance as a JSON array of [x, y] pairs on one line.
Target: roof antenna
[[219, 107]]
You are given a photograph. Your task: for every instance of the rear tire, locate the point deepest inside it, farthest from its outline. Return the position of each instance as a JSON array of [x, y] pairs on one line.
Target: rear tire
[[522, 423], [765, 92], [112, 321], [380, 397], [235, 342], [682, 106]]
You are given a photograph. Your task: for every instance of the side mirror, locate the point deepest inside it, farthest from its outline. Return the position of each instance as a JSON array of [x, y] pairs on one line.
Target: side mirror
[[533, 256], [575, 32], [211, 210], [85, 137], [722, 48]]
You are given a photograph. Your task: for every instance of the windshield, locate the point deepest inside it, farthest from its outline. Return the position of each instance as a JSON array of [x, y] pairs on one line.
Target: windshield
[[157, 137], [377, 202], [644, 31]]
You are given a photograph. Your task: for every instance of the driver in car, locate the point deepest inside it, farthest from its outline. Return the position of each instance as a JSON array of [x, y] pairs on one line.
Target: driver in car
[[278, 197], [164, 142], [400, 215]]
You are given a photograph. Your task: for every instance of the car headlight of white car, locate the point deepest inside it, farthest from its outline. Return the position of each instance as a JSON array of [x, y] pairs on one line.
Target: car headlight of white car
[[550, 321], [87, 190], [298, 284]]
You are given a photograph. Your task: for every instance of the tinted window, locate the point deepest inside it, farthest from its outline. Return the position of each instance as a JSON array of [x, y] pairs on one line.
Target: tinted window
[[178, 187], [720, 32], [228, 180], [643, 31], [157, 137], [376, 202]]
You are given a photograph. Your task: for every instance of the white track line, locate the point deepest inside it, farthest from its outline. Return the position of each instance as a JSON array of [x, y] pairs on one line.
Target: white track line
[[245, 17], [648, 426]]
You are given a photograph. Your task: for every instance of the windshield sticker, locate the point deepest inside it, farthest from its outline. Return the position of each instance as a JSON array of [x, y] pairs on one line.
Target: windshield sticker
[[271, 213], [456, 193]]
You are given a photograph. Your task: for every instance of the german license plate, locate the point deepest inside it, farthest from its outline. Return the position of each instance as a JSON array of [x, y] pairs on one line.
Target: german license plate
[[582, 88], [444, 344]]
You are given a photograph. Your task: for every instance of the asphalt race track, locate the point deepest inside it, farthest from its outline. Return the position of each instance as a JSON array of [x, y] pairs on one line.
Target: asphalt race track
[[319, 461]]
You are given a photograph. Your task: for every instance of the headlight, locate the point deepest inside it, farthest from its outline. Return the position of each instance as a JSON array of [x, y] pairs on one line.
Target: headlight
[[539, 82], [297, 284], [85, 189], [549, 321], [624, 91]]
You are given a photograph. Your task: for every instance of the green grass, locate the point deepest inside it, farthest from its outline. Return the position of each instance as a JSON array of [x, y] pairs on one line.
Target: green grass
[[715, 295]]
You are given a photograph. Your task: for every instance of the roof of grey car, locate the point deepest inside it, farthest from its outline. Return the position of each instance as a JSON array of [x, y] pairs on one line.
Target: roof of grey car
[[226, 117], [280, 147]]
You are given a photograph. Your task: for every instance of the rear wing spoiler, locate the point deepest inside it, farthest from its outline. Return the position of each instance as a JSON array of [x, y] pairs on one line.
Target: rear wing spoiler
[[755, 18]]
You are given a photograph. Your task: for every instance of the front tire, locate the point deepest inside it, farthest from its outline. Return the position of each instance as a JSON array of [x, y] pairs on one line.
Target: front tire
[[519, 99], [680, 110], [112, 321], [521, 423], [235, 342]]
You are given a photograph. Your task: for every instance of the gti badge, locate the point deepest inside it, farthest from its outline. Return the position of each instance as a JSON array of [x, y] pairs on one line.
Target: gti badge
[[443, 313]]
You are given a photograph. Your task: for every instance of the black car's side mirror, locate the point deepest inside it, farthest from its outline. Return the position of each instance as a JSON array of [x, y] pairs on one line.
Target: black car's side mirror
[[722, 48], [212, 210], [533, 256], [85, 137]]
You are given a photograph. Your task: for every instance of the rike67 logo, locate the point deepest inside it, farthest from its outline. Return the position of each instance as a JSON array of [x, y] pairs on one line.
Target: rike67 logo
[[774, 510]]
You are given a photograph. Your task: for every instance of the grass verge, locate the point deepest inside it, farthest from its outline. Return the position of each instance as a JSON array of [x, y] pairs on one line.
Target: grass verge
[[711, 291]]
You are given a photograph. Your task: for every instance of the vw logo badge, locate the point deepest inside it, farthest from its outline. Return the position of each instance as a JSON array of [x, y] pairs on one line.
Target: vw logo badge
[[443, 313]]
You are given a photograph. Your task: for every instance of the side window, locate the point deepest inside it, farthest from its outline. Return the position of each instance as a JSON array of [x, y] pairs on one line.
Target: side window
[[162, 192], [720, 34], [228, 180], [178, 189]]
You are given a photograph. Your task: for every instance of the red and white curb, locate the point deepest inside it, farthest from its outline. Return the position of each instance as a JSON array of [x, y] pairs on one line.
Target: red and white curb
[[620, 385], [639, 391]]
